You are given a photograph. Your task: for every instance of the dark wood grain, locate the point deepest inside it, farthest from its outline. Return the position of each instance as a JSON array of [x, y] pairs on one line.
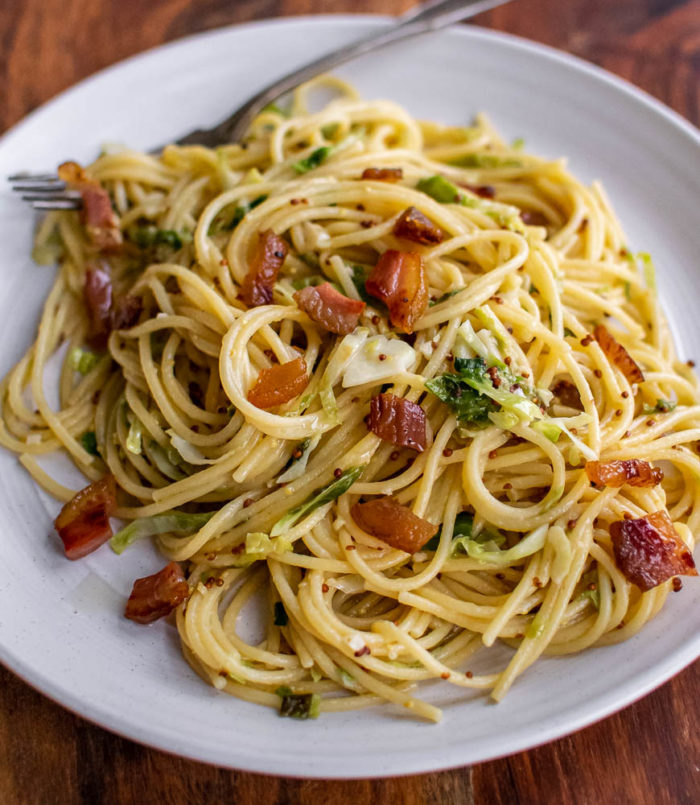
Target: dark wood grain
[[649, 753]]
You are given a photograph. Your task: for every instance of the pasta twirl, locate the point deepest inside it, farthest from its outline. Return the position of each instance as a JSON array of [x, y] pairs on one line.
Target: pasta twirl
[[478, 418]]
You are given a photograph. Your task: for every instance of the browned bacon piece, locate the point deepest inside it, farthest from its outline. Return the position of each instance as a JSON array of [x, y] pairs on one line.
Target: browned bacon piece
[[534, 218], [633, 471], [393, 523], [383, 174], [125, 312], [483, 190], [399, 281], [99, 219], [105, 313], [649, 551], [97, 293], [413, 225], [83, 523], [73, 174], [618, 355], [567, 394], [264, 268], [156, 596], [331, 309], [279, 384], [397, 420]]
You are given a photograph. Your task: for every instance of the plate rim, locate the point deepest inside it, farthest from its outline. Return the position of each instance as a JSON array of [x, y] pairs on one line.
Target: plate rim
[[567, 721]]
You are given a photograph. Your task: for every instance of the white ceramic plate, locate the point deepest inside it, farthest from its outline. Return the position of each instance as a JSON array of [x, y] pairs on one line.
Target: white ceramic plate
[[60, 622]]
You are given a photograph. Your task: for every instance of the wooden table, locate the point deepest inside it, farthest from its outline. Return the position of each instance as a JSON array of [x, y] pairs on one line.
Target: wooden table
[[649, 753]]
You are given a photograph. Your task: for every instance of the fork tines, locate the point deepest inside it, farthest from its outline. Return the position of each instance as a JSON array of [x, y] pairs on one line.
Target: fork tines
[[45, 191]]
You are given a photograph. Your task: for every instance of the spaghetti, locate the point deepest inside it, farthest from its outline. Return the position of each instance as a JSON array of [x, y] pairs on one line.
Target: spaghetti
[[518, 400]]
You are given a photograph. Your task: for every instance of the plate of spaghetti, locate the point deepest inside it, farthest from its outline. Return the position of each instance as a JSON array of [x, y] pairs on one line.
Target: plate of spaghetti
[[379, 420]]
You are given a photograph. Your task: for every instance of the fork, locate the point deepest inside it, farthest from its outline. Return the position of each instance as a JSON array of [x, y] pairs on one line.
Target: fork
[[47, 192]]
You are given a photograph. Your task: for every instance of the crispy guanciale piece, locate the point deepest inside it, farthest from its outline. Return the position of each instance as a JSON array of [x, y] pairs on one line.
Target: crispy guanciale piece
[[383, 174], [399, 281], [279, 384], [264, 268], [97, 294], [633, 472], [567, 394], [649, 551], [534, 218], [97, 216], [413, 225], [83, 523], [73, 174], [397, 420], [156, 596], [105, 313], [393, 523], [331, 309], [125, 312], [617, 354], [483, 190]]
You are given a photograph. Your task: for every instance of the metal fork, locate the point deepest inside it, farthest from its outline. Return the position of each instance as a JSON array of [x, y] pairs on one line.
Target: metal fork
[[48, 192]]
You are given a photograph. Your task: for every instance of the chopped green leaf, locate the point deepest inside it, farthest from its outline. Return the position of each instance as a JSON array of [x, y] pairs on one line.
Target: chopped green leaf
[[486, 550], [549, 430], [147, 235], [463, 531], [593, 596], [89, 442], [330, 130], [302, 706], [486, 161], [276, 109], [535, 629], [313, 281], [445, 192], [305, 282], [462, 528], [446, 296], [172, 522], [359, 278], [440, 189], [231, 215], [469, 406], [569, 333], [314, 159], [648, 270], [472, 396], [590, 591], [347, 680], [473, 372], [488, 538], [168, 237], [317, 498], [518, 143], [82, 360], [258, 545], [280, 614], [168, 462], [661, 407], [134, 438]]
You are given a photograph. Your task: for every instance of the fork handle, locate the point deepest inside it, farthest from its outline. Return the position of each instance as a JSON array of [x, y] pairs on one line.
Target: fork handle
[[429, 16]]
